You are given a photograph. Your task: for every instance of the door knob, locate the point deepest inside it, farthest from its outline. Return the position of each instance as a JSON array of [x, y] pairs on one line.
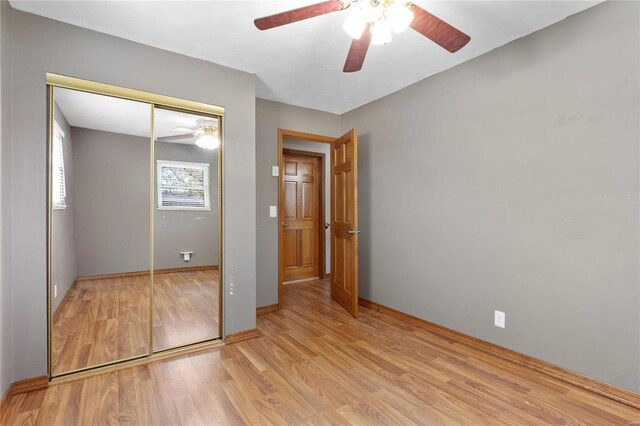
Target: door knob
[[353, 232], [284, 225], [327, 225]]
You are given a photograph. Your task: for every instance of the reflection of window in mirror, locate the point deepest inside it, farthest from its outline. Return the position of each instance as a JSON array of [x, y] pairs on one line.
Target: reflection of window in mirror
[[183, 186], [59, 187]]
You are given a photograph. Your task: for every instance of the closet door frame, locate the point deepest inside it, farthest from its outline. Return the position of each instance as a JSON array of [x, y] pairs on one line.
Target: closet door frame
[[54, 81]]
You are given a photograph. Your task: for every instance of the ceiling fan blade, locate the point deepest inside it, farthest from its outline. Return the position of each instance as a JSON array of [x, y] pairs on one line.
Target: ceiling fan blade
[[184, 129], [175, 137], [300, 14], [437, 30], [358, 51]]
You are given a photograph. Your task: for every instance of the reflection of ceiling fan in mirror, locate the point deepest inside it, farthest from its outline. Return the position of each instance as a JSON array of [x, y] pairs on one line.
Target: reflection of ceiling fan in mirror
[[206, 132]]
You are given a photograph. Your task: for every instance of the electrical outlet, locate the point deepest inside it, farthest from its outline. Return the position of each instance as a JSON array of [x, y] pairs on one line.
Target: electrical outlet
[[55, 291], [500, 319]]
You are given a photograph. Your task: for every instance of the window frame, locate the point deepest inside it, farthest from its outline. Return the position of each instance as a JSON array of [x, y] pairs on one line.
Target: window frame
[[58, 150], [207, 188]]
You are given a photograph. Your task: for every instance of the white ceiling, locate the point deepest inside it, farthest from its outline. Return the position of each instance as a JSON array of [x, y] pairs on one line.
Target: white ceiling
[[301, 64], [115, 115], [104, 113]]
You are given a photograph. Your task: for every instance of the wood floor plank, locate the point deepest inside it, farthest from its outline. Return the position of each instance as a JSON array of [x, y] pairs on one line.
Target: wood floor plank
[[313, 365]]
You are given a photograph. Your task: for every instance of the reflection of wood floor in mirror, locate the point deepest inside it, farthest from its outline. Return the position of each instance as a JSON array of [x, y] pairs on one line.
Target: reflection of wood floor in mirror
[[185, 308], [99, 321], [107, 319]]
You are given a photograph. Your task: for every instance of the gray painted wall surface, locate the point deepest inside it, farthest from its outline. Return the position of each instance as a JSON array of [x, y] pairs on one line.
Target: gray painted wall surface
[[325, 149], [112, 211], [269, 117], [195, 231], [511, 182], [6, 293], [48, 46], [63, 246], [111, 202]]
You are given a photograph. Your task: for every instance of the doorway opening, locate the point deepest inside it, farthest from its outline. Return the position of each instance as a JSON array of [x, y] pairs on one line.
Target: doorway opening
[[317, 213], [304, 212]]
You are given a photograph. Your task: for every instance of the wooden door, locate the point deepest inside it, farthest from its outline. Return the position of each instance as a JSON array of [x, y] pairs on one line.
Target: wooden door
[[302, 216], [344, 221]]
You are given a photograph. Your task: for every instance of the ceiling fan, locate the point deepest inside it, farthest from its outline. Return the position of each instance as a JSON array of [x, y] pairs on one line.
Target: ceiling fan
[[206, 132], [371, 22]]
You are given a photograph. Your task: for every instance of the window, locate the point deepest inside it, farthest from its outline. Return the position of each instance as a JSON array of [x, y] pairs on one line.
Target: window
[[183, 186], [59, 187]]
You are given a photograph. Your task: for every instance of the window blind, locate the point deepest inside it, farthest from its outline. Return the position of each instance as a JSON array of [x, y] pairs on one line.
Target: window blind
[[59, 186]]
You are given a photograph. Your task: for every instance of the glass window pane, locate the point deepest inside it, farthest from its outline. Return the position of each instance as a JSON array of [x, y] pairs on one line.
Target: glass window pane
[[182, 176]]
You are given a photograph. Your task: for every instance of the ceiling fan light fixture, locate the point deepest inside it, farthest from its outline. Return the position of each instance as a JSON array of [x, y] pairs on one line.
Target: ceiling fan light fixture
[[381, 33], [355, 24], [399, 16], [207, 138], [209, 142], [371, 22], [383, 15], [373, 10]]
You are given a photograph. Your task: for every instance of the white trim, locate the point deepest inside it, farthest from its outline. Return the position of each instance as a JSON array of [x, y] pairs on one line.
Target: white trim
[[206, 188], [184, 208], [172, 163]]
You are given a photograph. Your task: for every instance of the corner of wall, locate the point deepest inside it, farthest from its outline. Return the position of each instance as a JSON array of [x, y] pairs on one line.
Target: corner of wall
[[6, 337]]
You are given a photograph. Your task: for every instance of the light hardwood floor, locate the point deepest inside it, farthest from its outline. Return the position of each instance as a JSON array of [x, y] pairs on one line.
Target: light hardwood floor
[[99, 321], [107, 319], [185, 308], [315, 364]]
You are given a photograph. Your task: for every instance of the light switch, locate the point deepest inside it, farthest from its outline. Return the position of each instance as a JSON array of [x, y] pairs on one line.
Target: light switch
[[500, 319], [273, 211], [275, 171]]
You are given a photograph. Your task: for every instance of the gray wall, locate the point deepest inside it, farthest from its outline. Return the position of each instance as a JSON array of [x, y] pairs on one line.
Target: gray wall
[[269, 117], [111, 202], [511, 182], [42, 45], [6, 293], [323, 148], [63, 247], [112, 211], [195, 231]]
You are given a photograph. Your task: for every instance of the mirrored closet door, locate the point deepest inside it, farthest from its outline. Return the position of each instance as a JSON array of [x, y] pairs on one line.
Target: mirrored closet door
[[100, 230], [186, 289], [133, 247]]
